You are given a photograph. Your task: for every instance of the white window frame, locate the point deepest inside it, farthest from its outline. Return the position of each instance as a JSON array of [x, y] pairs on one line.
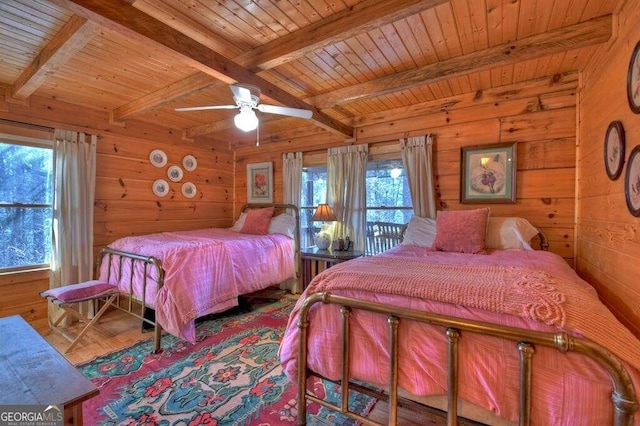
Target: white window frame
[[36, 143]]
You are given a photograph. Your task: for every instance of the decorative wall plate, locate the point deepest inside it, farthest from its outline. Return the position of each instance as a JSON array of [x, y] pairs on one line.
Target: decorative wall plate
[[158, 158], [161, 187], [633, 80], [189, 163], [614, 150], [632, 182], [174, 173], [188, 190]]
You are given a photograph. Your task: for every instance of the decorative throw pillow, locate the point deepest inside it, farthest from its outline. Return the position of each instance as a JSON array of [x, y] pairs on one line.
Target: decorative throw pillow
[[257, 221], [284, 224], [238, 225], [462, 231], [510, 233], [421, 231]]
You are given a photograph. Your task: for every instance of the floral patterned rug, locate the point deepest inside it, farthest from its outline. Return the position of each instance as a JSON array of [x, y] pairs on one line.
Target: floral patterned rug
[[231, 376]]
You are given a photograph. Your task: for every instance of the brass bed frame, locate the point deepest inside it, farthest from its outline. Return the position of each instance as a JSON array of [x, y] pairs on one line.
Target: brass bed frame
[[137, 307], [623, 397]]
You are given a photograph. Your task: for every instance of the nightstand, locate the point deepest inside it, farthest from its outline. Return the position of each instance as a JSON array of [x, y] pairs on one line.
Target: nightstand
[[315, 261]]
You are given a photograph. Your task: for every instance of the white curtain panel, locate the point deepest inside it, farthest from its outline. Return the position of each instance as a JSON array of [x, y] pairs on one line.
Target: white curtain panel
[[74, 193], [346, 191], [417, 157], [292, 177], [292, 188]]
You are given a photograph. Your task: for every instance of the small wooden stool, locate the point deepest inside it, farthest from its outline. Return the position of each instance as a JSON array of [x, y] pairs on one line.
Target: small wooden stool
[[66, 297]]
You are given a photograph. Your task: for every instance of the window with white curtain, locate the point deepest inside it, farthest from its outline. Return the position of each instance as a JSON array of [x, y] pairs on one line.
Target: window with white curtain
[[26, 195], [389, 203]]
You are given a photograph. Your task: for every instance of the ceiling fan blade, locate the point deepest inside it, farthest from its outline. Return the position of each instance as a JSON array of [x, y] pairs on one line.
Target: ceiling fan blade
[[292, 112], [202, 108], [242, 94]]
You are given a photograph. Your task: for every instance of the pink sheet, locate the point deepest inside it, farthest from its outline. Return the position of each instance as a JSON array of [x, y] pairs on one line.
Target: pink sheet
[[568, 389], [205, 271]]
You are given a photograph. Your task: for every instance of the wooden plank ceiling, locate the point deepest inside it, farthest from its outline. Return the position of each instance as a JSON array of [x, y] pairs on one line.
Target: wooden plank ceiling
[[347, 60]]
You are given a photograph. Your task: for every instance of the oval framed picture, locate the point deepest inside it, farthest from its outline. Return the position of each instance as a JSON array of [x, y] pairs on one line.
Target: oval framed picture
[[632, 182], [614, 144], [633, 80], [158, 158], [161, 187], [174, 173], [188, 190], [189, 163]]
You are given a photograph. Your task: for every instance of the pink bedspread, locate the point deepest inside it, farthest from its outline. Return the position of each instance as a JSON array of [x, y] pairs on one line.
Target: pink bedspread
[[568, 389], [205, 271]]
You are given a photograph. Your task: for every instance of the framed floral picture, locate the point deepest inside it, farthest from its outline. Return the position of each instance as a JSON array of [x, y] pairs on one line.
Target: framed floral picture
[[632, 182], [488, 173], [260, 182], [614, 150], [633, 80]]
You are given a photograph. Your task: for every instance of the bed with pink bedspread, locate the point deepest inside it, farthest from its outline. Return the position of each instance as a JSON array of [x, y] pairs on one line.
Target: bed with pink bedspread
[[531, 290], [184, 275]]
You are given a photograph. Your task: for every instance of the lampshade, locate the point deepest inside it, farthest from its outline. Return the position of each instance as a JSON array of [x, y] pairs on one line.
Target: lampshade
[[246, 120], [323, 214]]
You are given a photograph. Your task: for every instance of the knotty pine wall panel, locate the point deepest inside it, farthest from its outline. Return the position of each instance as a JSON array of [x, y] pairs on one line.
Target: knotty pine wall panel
[[124, 201], [540, 115], [608, 236]]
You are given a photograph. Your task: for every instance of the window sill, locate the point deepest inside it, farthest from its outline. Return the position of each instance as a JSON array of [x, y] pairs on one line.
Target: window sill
[[24, 275]]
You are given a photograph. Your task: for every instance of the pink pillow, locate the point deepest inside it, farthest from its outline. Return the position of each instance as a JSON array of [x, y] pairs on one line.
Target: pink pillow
[[461, 231], [257, 221]]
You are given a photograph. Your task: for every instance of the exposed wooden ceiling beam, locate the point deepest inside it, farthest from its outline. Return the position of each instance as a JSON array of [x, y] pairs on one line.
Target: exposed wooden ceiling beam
[[73, 36], [337, 27], [166, 95], [588, 33], [120, 16], [180, 21], [340, 26]]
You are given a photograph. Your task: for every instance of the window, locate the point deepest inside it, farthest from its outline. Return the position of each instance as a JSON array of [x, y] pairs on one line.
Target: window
[[26, 193], [388, 202], [314, 192]]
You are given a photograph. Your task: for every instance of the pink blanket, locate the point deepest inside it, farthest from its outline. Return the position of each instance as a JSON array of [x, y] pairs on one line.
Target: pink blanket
[[567, 388], [205, 271]]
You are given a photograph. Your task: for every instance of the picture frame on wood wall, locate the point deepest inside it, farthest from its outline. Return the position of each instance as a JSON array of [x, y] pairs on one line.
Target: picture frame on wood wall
[[614, 147], [260, 182], [632, 182], [488, 173], [633, 80]]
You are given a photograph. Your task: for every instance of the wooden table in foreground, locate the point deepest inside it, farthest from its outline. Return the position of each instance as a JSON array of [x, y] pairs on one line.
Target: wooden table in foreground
[[32, 372]]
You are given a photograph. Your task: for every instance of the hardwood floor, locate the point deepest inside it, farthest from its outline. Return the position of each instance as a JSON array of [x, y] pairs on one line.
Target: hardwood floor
[[118, 330]]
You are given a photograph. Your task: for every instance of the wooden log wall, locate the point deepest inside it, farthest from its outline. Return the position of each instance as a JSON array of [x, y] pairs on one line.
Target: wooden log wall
[[540, 115], [608, 244], [125, 204]]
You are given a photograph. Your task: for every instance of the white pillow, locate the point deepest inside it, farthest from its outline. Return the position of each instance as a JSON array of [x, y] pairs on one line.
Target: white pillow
[[510, 233], [238, 225], [284, 224], [421, 231]]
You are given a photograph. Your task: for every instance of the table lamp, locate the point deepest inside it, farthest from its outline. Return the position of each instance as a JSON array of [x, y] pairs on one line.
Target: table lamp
[[323, 214]]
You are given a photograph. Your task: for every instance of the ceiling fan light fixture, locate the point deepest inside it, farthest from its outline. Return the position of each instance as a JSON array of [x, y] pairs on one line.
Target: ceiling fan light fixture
[[246, 120]]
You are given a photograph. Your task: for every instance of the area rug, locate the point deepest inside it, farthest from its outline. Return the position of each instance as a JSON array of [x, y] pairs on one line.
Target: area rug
[[230, 376]]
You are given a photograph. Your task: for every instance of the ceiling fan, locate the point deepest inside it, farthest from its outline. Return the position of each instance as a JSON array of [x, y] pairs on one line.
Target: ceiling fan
[[247, 98]]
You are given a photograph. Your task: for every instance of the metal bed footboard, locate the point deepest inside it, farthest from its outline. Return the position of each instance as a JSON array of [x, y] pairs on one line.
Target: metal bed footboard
[[131, 260], [623, 397]]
